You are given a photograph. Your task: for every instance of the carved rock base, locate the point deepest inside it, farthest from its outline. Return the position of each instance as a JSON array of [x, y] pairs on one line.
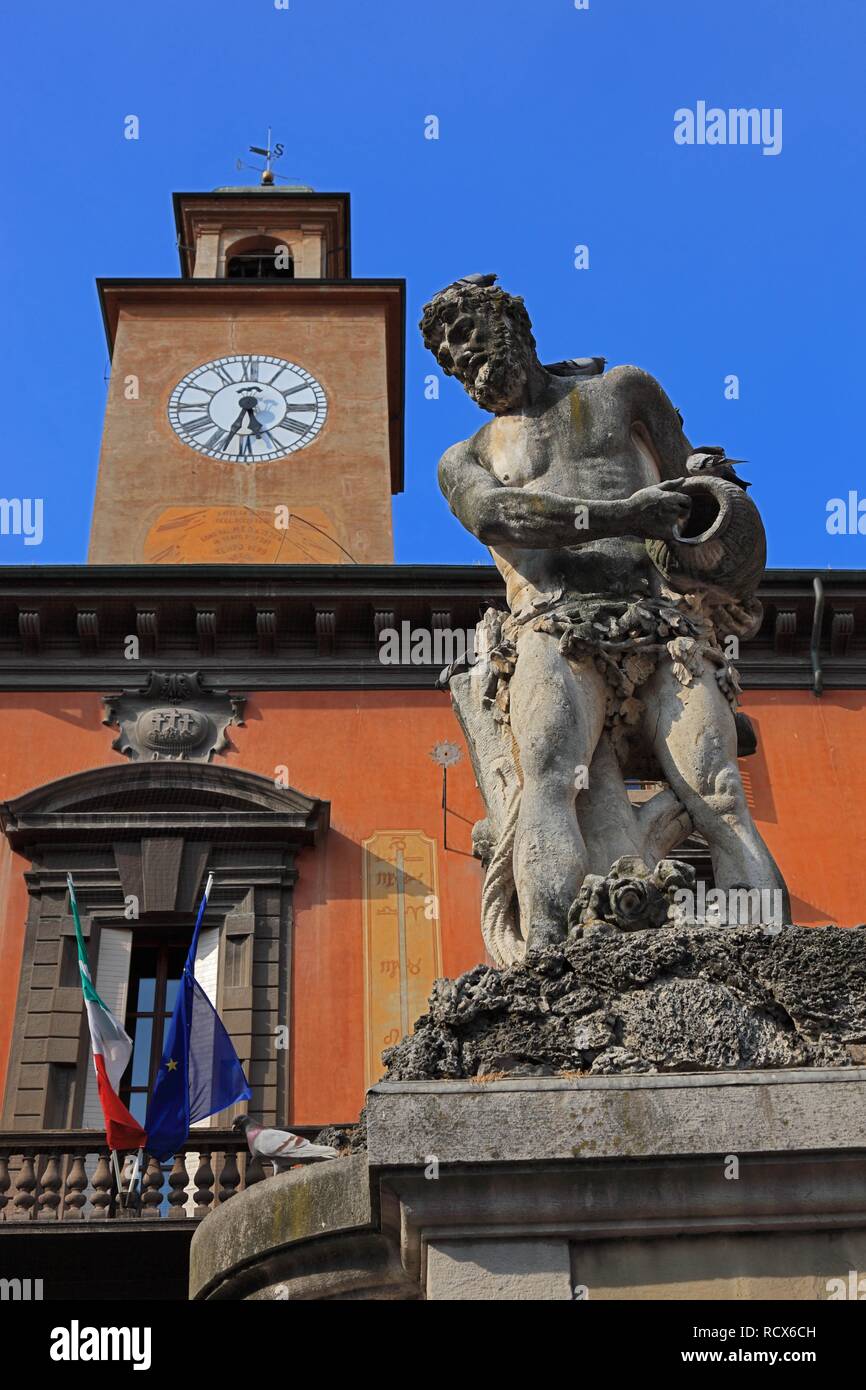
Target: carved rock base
[[666, 999]]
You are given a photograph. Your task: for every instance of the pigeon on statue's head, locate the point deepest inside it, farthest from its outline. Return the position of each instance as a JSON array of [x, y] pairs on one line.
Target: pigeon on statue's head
[[483, 281], [280, 1146]]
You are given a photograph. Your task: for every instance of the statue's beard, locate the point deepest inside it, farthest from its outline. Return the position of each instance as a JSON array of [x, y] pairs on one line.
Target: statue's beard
[[497, 383]]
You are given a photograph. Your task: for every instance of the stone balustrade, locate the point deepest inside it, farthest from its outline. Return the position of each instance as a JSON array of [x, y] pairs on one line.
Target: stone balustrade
[[66, 1175]]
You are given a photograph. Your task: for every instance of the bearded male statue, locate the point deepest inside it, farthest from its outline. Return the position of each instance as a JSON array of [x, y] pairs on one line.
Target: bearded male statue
[[630, 564]]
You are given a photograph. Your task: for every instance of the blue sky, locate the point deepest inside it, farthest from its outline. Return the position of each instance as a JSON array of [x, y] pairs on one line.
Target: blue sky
[[556, 129]]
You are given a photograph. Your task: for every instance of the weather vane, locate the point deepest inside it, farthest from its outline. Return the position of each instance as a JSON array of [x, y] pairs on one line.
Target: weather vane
[[271, 153]]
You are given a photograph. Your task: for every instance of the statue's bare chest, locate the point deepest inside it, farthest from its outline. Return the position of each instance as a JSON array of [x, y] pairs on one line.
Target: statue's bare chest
[[562, 449]]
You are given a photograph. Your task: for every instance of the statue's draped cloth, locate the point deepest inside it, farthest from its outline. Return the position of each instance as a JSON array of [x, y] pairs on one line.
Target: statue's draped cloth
[[625, 638]]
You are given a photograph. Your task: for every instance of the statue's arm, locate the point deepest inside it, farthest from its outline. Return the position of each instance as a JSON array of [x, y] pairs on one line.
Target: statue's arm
[[652, 409], [500, 515]]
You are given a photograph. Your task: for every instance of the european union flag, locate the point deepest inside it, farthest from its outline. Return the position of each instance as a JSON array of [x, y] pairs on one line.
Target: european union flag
[[200, 1073]]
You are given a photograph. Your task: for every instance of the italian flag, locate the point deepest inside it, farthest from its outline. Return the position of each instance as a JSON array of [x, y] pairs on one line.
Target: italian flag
[[112, 1049]]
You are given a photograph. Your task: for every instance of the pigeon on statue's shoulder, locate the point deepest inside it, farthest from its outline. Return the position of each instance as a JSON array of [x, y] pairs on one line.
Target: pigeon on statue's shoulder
[[577, 366], [280, 1146]]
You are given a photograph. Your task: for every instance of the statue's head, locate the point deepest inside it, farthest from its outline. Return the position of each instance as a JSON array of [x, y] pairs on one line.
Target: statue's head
[[483, 336]]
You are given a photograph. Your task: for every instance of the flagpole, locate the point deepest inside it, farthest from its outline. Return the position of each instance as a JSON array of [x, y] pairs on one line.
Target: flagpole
[[111, 1049], [135, 1169], [198, 921], [115, 1163], [195, 1030]]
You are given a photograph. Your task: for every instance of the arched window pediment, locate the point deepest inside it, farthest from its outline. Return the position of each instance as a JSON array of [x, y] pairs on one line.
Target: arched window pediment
[[167, 796]]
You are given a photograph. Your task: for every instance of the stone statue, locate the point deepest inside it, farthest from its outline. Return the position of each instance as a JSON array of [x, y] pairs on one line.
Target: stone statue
[[630, 564]]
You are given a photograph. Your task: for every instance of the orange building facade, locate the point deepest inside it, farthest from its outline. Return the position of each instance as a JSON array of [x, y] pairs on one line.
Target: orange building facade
[[367, 753]]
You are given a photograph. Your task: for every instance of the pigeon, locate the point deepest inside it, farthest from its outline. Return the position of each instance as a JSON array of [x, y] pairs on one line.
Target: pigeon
[[710, 459], [483, 280], [282, 1148], [577, 366]]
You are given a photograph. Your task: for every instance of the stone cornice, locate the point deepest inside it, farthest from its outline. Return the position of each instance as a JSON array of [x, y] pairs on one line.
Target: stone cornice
[[315, 627]]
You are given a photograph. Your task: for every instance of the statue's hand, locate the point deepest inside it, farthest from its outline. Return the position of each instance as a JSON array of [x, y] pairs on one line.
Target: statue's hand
[[657, 510]]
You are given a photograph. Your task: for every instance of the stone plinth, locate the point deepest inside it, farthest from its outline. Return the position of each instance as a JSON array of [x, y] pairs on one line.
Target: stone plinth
[[309, 1233], [741, 1185]]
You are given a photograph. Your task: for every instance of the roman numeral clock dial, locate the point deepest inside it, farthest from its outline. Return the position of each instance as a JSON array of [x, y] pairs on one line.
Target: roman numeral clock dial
[[247, 409]]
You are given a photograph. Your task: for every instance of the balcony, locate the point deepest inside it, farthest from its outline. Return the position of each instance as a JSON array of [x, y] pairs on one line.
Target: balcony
[[49, 1177], [67, 1231]]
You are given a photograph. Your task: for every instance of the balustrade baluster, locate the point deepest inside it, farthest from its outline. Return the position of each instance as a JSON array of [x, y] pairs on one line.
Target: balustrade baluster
[[100, 1202], [151, 1190], [229, 1177], [178, 1182], [204, 1185], [254, 1171], [74, 1196], [25, 1199], [48, 1200]]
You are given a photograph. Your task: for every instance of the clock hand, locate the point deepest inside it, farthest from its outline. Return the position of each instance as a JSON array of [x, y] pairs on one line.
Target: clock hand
[[254, 425], [248, 405], [234, 429]]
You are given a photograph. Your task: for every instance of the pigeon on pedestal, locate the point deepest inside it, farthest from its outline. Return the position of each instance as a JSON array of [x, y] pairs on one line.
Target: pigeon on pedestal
[[280, 1146]]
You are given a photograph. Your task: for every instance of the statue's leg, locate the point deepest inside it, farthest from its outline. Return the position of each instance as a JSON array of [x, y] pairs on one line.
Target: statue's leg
[[557, 715], [695, 739]]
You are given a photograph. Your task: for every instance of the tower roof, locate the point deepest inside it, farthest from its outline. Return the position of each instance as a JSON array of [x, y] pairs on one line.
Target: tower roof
[[266, 188], [242, 208]]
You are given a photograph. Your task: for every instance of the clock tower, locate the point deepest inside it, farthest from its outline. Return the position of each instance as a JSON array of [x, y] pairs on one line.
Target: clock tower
[[255, 412]]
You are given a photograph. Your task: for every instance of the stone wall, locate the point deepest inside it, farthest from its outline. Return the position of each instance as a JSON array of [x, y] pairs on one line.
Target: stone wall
[[730, 1186]]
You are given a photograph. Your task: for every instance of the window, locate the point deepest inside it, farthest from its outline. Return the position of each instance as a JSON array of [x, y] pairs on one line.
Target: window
[[116, 829], [154, 978], [264, 261]]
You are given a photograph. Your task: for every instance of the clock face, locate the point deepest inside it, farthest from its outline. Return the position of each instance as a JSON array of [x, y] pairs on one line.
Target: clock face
[[247, 409]]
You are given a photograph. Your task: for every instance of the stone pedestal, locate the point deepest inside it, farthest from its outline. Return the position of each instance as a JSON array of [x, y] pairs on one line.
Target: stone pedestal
[[727, 1186]]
